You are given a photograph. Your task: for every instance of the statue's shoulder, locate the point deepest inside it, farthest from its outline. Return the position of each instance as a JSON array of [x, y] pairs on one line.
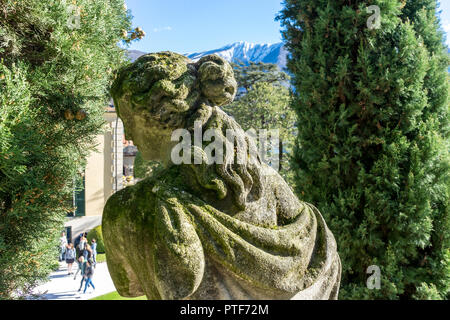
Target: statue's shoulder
[[130, 199]]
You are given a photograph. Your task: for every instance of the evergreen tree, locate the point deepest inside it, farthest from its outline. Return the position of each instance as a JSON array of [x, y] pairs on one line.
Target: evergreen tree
[[373, 145], [262, 102], [422, 13], [247, 75], [56, 64], [266, 106]]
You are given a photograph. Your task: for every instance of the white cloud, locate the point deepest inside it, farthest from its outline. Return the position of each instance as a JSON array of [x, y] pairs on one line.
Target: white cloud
[[446, 27], [162, 29]]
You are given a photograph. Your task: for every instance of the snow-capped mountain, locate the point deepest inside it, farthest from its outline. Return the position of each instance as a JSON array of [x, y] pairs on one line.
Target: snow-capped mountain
[[248, 52], [239, 51]]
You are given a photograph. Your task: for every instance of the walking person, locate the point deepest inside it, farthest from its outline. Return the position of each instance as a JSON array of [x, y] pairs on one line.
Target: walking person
[[81, 266], [89, 273], [87, 252], [70, 257], [81, 246], [94, 251], [62, 246], [77, 240]]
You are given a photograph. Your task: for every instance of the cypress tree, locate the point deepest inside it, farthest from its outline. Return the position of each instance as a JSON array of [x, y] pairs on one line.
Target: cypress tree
[[373, 146]]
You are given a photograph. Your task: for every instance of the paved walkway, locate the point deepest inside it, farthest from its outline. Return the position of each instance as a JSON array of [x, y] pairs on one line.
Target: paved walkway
[[82, 224], [61, 286]]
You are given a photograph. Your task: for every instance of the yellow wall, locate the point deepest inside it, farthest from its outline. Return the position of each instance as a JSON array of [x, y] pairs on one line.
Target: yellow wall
[[94, 180], [100, 171]]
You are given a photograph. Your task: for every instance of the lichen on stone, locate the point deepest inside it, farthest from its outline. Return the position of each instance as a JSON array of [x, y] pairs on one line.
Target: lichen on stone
[[213, 230]]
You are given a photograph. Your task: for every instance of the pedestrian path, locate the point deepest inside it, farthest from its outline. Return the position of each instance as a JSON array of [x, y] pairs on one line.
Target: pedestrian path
[[61, 286]]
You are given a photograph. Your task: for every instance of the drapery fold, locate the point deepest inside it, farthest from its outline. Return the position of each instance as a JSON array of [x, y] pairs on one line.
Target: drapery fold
[[288, 258]]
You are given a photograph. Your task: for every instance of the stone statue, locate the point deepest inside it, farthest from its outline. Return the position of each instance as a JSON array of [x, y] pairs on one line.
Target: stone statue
[[227, 230]]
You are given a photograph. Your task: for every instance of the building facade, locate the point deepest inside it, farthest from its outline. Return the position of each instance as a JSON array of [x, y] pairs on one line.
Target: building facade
[[102, 177]]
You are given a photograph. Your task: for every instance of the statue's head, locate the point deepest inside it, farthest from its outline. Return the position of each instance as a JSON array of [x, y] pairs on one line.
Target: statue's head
[[158, 92]]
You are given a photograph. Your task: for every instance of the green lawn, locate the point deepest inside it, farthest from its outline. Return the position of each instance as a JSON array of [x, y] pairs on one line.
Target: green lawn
[[115, 296], [101, 257]]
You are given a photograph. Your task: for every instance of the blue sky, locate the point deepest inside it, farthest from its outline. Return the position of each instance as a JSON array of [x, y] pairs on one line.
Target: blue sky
[[445, 18], [187, 26]]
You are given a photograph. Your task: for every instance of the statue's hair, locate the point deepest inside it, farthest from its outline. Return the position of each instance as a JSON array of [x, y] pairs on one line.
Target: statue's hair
[[166, 83], [240, 175], [171, 89], [217, 81]]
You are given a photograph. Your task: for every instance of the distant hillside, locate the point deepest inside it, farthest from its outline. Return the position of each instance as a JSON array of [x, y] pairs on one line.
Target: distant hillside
[[135, 54]]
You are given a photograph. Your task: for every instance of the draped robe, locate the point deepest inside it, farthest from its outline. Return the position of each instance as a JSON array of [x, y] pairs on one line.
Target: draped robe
[[166, 243]]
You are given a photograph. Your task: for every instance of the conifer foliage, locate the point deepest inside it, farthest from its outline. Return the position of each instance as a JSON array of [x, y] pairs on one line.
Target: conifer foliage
[[373, 138], [262, 102], [57, 60]]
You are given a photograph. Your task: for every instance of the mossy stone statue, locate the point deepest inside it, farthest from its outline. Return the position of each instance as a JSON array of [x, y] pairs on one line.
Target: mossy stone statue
[[207, 231]]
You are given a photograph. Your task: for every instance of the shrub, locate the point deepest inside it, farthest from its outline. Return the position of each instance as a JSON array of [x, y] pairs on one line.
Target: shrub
[[96, 234]]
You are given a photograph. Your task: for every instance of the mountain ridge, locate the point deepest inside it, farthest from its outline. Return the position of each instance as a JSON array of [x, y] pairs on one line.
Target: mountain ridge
[[241, 51], [247, 52]]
